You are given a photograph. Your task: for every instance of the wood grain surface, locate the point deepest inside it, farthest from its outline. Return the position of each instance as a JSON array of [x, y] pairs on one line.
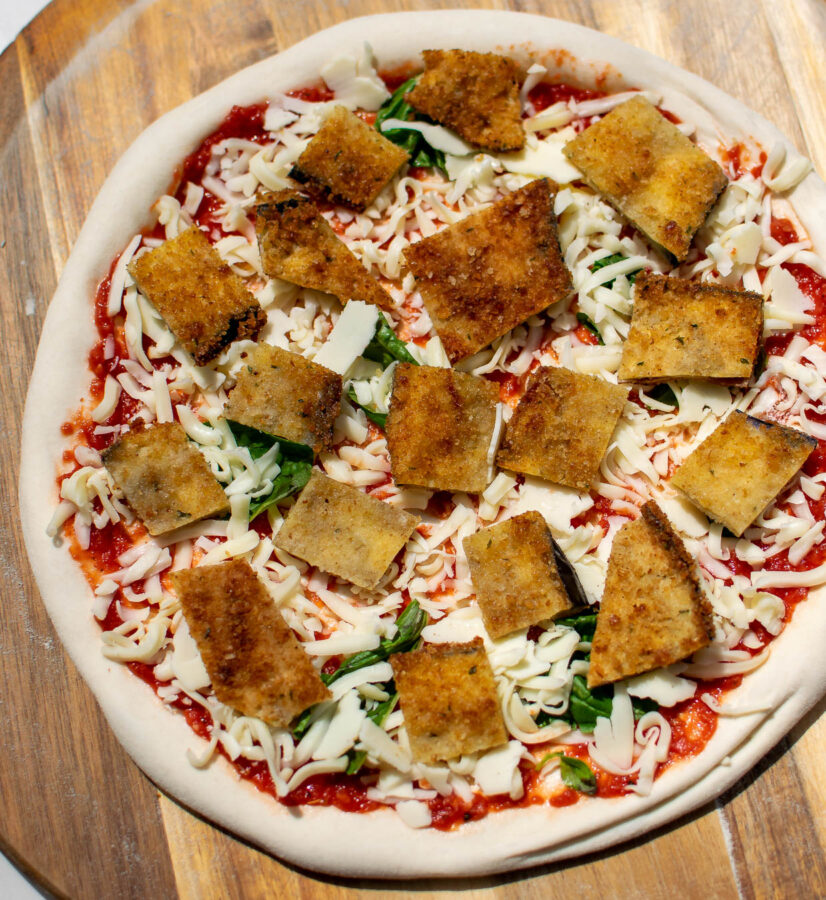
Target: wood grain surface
[[75, 89]]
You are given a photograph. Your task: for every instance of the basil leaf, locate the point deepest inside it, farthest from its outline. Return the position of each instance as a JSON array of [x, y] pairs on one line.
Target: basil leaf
[[586, 706], [574, 772], [258, 442], [302, 723], [417, 147], [380, 419], [586, 321], [662, 393], [610, 260], [385, 348], [584, 624], [378, 714], [290, 480], [409, 627]]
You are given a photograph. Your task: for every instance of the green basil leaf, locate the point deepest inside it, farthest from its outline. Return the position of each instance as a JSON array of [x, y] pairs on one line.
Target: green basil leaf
[[409, 627], [586, 321], [577, 775], [417, 147], [662, 393], [385, 348], [258, 442], [584, 624], [380, 419], [610, 260], [290, 480]]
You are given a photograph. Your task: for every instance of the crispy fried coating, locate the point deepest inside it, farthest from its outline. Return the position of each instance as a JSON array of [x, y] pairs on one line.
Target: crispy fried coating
[[492, 270], [475, 94], [514, 574], [344, 531], [286, 395], [164, 478], [562, 427], [741, 467], [298, 245], [440, 427], [205, 304], [448, 696], [255, 662], [654, 611], [348, 160], [650, 171], [681, 329]]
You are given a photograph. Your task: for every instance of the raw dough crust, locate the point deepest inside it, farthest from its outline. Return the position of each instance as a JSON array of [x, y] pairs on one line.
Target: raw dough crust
[[326, 839]]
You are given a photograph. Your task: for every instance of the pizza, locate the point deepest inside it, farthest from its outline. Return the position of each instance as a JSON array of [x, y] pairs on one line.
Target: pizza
[[438, 460]]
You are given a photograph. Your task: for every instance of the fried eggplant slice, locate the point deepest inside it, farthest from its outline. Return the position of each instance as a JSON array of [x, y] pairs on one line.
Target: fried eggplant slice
[[741, 467], [680, 329], [298, 245], [492, 270], [342, 530], [348, 161], [285, 395], [514, 573], [654, 611], [650, 171], [255, 662], [164, 478], [448, 696], [562, 427], [204, 303], [439, 428], [475, 94]]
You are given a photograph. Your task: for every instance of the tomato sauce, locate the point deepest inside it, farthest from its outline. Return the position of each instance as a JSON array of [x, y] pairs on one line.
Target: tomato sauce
[[692, 722]]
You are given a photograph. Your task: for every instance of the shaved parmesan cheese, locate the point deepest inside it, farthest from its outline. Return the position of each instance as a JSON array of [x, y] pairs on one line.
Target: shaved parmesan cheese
[[352, 333], [542, 159], [782, 172], [684, 516], [343, 729], [414, 814], [497, 771], [378, 743], [458, 627], [437, 136], [786, 305], [557, 505], [662, 685], [355, 82]]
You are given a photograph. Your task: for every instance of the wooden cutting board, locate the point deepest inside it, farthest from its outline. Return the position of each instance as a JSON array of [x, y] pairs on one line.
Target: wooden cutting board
[[75, 89]]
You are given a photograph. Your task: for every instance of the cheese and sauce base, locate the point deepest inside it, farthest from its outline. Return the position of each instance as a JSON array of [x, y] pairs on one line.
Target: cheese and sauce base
[[752, 238]]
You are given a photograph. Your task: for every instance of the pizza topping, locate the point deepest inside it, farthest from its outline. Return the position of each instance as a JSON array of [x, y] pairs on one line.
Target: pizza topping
[[680, 329], [440, 427], [475, 94], [651, 172], [653, 610], [515, 574], [561, 427], [448, 696], [298, 245], [206, 305], [164, 478], [477, 286], [348, 160], [737, 471], [284, 394], [343, 531], [254, 661]]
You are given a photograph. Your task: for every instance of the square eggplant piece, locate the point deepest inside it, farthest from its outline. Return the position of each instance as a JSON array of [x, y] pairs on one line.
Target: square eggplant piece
[[741, 467], [514, 573], [475, 94], [286, 395], [205, 304], [654, 611], [298, 245], [440, 427], [255, 662], [342, 530], [492, 270], [680, 329], [447, 693], [348, 160], [164, 477], [562, 427], [650, 171]]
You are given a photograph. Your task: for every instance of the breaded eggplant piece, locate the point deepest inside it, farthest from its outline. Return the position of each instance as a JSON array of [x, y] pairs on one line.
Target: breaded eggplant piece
[[514, 573], [492, 270], [741, 467], [650, 171], [562, 427], [348, 160], [448, 696], [205, 304], [475, 94], [654, 611], [440, 427], [298, 245], [342, 530], [286, 395], [681, 329], [255, 662], [164, 478]]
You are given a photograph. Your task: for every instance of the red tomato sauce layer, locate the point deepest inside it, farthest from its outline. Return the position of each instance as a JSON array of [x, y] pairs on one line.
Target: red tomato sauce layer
[[692, 722]]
